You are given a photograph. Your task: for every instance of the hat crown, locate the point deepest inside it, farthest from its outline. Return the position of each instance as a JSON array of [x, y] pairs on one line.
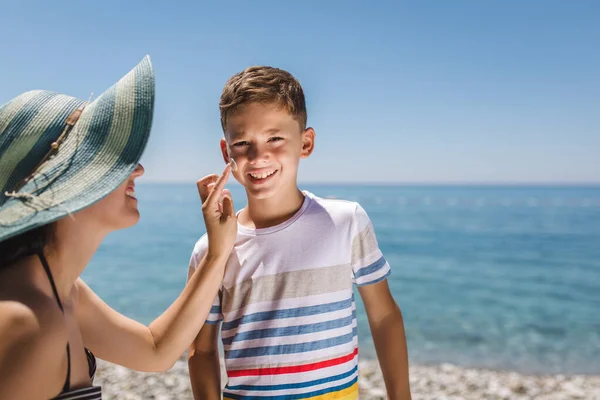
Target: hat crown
[[29, 124]]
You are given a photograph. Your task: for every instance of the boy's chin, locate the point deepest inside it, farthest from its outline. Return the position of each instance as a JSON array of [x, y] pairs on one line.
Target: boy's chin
[[261, 193]]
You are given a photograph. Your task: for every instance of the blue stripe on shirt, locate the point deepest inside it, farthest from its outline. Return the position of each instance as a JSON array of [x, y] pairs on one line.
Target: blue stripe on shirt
[[375, 280], [289, 330], [295, 385], [288, 313], [370, 268], [291, 348]]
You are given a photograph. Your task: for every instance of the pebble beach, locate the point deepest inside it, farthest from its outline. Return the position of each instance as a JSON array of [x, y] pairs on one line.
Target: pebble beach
[[445, 381]]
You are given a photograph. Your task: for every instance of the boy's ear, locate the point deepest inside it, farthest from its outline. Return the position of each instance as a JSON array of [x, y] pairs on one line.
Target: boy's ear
[[224, 151], [308, 142]]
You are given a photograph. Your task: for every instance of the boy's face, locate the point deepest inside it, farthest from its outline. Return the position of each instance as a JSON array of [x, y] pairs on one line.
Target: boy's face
[[266, 144]]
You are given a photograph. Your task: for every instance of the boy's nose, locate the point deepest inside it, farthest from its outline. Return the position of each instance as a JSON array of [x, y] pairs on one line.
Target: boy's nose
[[256, 154]]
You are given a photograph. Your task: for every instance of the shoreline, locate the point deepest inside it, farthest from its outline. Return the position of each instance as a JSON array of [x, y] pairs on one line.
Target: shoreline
[[443, 381]]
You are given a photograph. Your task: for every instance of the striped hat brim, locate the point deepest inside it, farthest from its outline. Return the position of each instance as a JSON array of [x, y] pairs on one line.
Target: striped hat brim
[[97, 154]]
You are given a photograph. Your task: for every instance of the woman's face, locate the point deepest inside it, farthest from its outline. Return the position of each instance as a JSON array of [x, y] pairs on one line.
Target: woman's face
[[119, 209]]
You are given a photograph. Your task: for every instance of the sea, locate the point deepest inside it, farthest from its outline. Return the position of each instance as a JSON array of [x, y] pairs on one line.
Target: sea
[[500, 277]]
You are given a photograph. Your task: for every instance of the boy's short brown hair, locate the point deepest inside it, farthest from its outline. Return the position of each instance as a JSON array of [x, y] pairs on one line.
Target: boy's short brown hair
[[265, 85]]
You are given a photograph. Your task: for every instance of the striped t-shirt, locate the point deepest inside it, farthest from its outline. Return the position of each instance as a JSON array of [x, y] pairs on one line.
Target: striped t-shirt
[[287, 306]]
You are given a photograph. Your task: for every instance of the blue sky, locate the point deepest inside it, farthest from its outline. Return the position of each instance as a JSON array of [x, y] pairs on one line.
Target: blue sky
[[427, 92]]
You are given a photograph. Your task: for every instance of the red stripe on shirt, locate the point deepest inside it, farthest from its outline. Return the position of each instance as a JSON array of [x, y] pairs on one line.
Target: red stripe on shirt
[[295, 368]]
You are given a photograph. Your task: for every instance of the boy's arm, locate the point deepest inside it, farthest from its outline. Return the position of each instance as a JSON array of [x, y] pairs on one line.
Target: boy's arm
[[204, 365], [387, 329], [203, 353], [370, 271]]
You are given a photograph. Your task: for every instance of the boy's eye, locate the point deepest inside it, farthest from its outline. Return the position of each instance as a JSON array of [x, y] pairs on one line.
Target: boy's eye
[[242, 143], [275, 139]]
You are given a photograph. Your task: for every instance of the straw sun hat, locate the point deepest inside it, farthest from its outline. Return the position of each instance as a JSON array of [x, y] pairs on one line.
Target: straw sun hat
[[59, 154]]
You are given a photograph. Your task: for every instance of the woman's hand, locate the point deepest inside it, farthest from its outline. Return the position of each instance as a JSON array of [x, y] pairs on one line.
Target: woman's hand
[[219, 214]]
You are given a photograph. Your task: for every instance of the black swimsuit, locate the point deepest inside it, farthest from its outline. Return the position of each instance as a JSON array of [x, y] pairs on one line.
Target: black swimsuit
[[87, 393]]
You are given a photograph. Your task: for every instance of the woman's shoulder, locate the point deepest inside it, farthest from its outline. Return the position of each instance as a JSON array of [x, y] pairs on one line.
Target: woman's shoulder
[[32, 349], [18, 319], [31, 319]]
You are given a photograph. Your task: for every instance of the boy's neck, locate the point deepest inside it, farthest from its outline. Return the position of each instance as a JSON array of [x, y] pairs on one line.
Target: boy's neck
[[264, 213]]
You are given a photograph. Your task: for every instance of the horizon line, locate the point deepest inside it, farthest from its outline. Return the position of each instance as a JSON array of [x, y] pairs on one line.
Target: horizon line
[[414, 183]]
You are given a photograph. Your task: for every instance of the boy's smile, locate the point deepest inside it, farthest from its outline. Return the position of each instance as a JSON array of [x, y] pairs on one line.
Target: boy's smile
[[261, 176], [266, 143]]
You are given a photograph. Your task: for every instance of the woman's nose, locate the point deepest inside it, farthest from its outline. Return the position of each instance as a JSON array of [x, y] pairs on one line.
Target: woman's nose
[[138, 171]]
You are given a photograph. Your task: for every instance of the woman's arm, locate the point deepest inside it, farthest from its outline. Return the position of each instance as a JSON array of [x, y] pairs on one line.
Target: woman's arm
[[121, 340]]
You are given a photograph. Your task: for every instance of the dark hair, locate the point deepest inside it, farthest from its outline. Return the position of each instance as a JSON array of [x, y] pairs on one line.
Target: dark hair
[[26, 244]]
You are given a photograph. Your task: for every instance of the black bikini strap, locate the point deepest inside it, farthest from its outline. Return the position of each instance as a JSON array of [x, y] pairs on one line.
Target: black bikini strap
[[67, 384], [47, 269]]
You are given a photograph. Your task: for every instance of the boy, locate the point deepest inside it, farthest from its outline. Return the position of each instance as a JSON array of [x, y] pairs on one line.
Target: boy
[[286, 303]]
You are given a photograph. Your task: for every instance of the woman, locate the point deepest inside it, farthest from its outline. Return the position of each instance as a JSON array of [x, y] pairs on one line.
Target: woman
[[67, 176]]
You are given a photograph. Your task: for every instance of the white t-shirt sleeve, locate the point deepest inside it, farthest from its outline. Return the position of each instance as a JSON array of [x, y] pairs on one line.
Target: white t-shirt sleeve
[[368, 263], [215, 316]]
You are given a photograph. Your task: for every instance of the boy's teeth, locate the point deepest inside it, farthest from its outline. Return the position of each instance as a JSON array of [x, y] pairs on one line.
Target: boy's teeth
[[130, 193], [263, 175]]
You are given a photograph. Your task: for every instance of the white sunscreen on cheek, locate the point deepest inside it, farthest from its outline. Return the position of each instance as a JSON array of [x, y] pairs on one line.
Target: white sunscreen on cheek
[[233, 164], [231, 160]]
